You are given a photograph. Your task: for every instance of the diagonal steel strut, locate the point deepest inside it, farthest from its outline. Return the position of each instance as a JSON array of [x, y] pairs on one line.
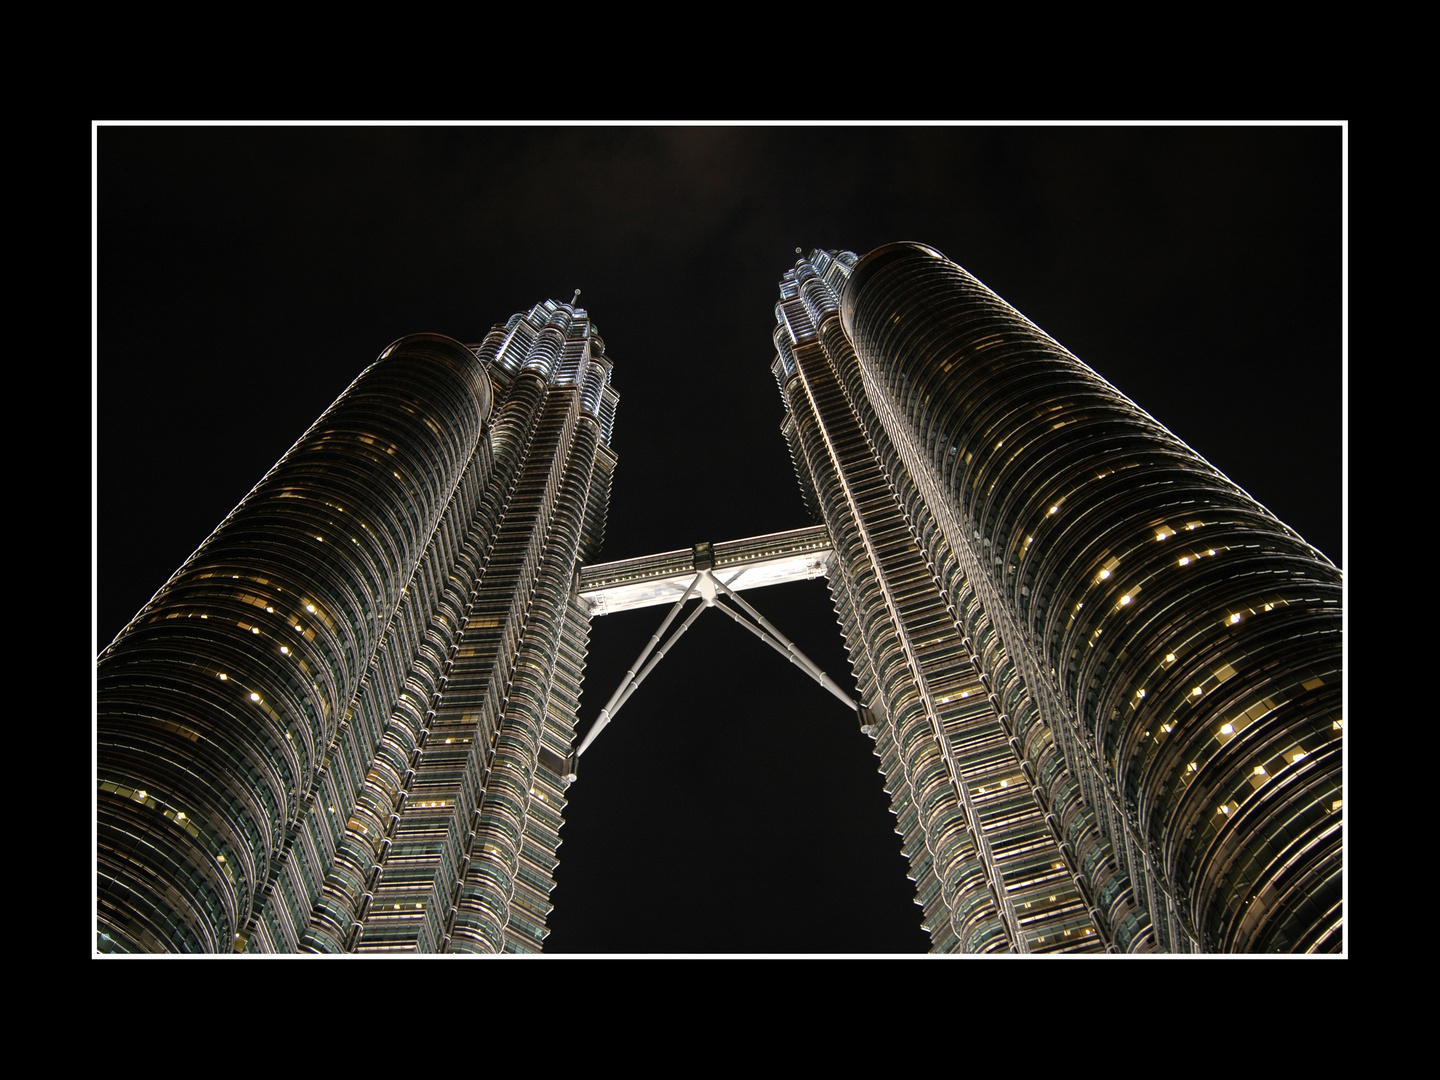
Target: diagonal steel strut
[[631, 680], [781, 643], [761, 628]]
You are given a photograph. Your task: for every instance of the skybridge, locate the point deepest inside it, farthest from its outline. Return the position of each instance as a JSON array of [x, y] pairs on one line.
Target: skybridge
[[714, 574], [796, 555]]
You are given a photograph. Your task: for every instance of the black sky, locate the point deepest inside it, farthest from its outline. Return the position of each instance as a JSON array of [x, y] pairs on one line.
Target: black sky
[[245, 275]]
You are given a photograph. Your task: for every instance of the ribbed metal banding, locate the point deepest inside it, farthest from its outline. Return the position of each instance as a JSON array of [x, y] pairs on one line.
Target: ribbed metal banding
[[218, 701], [1192, 638]]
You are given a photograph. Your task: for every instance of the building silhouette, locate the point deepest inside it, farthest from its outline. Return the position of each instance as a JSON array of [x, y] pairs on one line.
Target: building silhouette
[[343, 723], [1104, 683]]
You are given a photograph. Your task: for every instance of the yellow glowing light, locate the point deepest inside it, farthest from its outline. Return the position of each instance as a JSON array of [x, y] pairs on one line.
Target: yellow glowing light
[[1235, 618], [1185, 561], [1104, 574], [1227, 729], [1124, 600], [254, 697]]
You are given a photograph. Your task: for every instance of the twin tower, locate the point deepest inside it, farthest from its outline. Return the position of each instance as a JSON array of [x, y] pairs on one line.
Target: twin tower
[[1104, 683]]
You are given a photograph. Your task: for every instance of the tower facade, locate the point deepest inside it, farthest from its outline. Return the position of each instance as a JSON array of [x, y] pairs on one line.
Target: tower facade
[[342, 725], [1104, 683]]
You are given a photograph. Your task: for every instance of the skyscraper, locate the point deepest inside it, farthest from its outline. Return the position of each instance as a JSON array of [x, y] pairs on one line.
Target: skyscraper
[[1104, 682], [343, 723]]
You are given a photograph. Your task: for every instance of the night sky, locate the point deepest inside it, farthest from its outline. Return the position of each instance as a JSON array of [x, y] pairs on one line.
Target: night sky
[[245, 275]]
